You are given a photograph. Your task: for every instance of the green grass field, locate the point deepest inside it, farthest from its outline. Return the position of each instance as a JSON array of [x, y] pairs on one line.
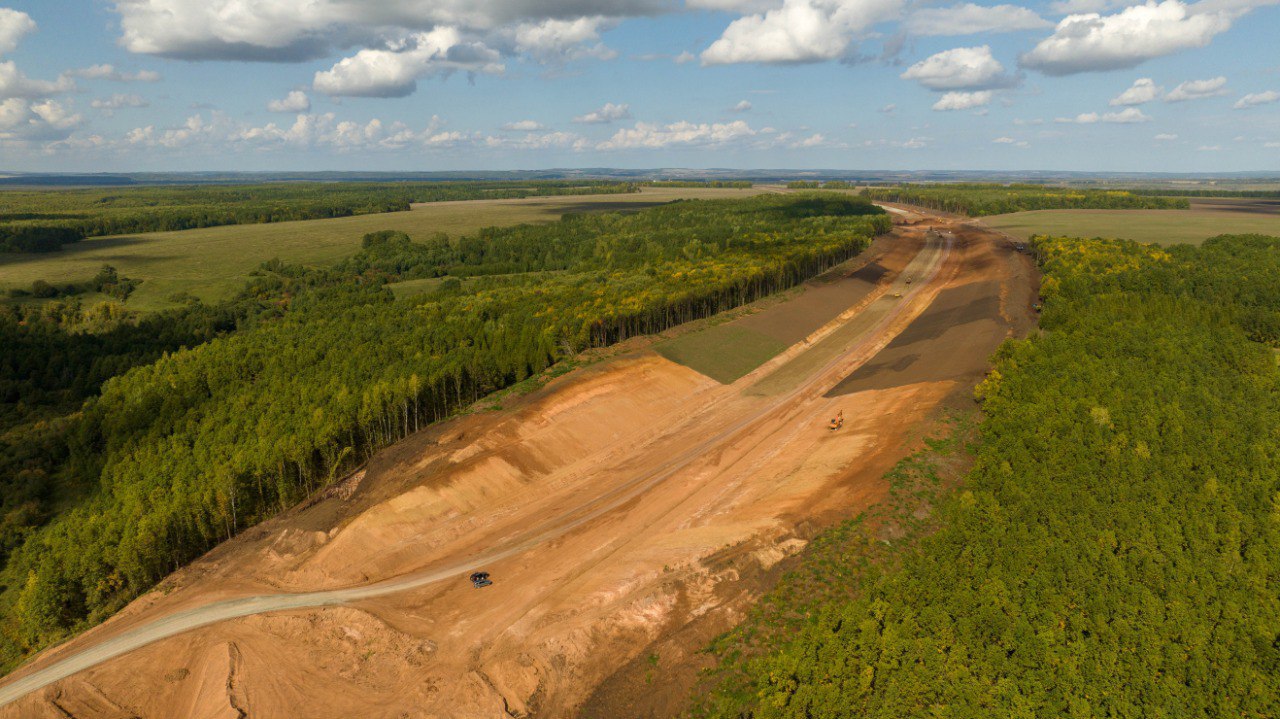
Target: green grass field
[[413, 288], [724, 352], [1164, 227], [212, 263]]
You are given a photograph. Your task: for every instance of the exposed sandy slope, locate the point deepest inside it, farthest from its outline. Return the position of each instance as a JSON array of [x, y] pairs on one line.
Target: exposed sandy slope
[[616, 507]]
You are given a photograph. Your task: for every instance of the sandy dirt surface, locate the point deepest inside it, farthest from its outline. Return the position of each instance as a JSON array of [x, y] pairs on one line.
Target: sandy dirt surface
[[630, 507]]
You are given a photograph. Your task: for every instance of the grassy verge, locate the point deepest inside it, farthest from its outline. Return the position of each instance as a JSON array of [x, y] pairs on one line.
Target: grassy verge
[[724, 352]]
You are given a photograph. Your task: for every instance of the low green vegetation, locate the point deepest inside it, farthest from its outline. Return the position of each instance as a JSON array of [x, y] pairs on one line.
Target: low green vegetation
[[215, 417], [724, 352], [1113, 550], [107, 282], [45, 220], [978, 200], [1157, 226]]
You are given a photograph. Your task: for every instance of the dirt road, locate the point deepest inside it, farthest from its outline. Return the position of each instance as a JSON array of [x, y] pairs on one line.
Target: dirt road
[[615, 506]]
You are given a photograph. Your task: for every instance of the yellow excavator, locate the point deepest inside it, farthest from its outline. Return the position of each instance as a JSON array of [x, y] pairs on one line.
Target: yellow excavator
[[836, 422]]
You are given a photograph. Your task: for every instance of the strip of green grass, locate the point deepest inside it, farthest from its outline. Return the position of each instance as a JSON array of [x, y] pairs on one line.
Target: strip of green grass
[[724, 353]]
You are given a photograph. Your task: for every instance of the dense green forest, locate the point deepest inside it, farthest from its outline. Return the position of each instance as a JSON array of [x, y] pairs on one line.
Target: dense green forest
[[1114, 550], [44, 220], [211, 419], [977, 200]]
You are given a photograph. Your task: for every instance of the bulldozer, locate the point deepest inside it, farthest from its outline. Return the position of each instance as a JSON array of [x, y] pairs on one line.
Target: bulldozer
[[836, 422]]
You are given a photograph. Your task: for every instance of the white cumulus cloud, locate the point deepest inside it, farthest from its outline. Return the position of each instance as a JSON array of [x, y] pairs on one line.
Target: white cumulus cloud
[[678, 134], [1166, 137], [799, 31], [14, 83], [609, 113], [970, 19], [1197, 90], [1092, 42], [394, 72], [558, 41], [14, 26], [523, 126], [964, 68], [963, 100], [817, 139], [297, 30], [742, 106], [1142, 91], [1126, 116], [296, 101], [1254, 99], [23, 121]]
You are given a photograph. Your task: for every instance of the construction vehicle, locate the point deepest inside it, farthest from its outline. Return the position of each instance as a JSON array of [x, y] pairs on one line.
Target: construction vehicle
[[480, 580], [836, 422]]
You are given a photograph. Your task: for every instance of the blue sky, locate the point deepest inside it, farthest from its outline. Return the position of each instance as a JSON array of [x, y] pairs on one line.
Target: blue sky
[[126, 85]]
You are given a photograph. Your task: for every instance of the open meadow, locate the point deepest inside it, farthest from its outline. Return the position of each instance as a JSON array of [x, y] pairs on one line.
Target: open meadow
[[1207, 218], [212, 263]]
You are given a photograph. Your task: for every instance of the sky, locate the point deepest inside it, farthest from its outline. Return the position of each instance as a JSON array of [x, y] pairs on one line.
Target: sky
[[1076, 85]]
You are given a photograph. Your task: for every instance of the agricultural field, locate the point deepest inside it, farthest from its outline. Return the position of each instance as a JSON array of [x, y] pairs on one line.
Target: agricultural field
[[1208, 217], [212, 263]]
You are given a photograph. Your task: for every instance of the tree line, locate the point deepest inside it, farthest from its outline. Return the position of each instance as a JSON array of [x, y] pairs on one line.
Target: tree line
[[1207, 192], [978, 200], [325, 366], [821, 185], [44, 220], [1113, 551], [733, 184]]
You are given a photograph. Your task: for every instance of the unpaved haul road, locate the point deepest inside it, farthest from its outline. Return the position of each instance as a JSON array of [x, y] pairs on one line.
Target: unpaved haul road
[[915, 297]]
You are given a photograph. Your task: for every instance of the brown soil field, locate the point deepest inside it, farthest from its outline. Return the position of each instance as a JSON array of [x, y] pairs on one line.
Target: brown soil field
[[954, 338], [827, 297], [1247, 205], [628, 510]]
